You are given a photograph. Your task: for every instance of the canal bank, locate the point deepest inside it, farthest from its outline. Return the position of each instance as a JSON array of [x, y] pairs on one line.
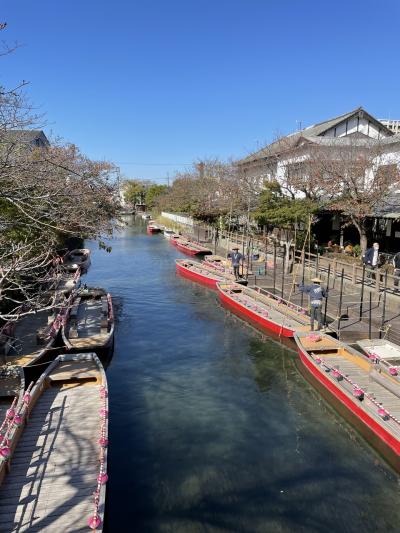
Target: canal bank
[[214, 429]]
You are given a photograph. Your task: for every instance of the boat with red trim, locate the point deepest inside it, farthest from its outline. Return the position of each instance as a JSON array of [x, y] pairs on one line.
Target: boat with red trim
[[191, 248], [223, 264], [202, 273], [264, 309], [367, 397], [153, 228]]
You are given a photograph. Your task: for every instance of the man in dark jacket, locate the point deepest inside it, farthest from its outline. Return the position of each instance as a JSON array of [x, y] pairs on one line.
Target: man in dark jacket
[[396, 273], [372, 259], [316, 294]]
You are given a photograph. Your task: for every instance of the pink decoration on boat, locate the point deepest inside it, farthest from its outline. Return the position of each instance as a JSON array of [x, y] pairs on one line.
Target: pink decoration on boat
[[103, 478], [17, 420], [373, 357], [393, 371], [103, 412], [10, 413], [103, 442], [94, 522], [103, 393], [358, 393], [318, 360], [5, 451], [383, 413], [27, 397], [314, 337], [337, 375]]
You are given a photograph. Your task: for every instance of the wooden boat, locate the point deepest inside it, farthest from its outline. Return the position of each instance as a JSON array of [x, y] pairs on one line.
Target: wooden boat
[[89, 321], [223, 264], [31, 338], [263, 309], [146, 216], [191, 248], [12, 388], [79, 258], [57, 463], [168, 233], [175, 238], [202, 273], [153, 228], [385, 354], [369, 399]]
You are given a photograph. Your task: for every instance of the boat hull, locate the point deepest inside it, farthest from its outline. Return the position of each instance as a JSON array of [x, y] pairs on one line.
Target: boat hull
[[153, 231], [197, 276], [190, 251], [260, 322], [380, 439]]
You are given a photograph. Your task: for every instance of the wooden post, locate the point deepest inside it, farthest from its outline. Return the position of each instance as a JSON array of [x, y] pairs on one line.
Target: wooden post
[[370, 317], [274, 266], [383, 306], [340, 304], [354, 275], [303, 276], [283, 274], [334, 268], [377, 279], [327, 293], [362, 292], [317, 265]]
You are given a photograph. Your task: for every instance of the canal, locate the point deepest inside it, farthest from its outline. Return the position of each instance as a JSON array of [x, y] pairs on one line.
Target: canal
[[213, 428]]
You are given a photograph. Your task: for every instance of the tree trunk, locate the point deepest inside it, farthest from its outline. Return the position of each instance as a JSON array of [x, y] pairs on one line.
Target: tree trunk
[[363, 241]]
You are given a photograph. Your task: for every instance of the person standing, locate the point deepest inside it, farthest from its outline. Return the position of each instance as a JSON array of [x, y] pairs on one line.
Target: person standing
[[237, 259], [316, 294], [396, 273], [372, 259]]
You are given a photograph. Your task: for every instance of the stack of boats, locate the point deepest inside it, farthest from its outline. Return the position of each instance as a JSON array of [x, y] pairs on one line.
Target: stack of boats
[[53, 471], [189, 247]]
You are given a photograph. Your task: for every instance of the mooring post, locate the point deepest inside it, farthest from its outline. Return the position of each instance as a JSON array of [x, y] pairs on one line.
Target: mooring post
[[317, 265], [340, 303], [370, 316], [383, 306], [303, 255], [274, 266], [327, 293], [283, 273], [362, 291]]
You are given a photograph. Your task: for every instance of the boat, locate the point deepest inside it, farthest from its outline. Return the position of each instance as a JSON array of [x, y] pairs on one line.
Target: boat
[[175, 238], [368, 398], [153, 228], [12, 388], [223, 264], [89, 321], [202, 273], [385, 354], [31, 339], [56, 470], [146, 216], [191, 248], [264, 309], [168, 233], [79, 258]]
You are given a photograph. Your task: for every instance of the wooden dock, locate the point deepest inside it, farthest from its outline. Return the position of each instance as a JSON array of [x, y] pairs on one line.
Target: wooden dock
[[55, 466]]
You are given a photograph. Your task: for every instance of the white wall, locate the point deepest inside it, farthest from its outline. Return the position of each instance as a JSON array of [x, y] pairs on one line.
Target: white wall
[[180, 219]]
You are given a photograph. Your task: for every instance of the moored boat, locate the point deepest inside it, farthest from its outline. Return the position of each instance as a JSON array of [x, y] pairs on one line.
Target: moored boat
[[263, 309], [67, 281], [369, 399], [385, 354], [89, 321], [191, 248], [168, 233], [202, 273], [61, 453], [153, 228], [224, 264], [79, 258], [30, 340]]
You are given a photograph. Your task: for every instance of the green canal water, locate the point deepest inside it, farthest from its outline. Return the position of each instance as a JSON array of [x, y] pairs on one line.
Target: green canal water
[[213, 428]]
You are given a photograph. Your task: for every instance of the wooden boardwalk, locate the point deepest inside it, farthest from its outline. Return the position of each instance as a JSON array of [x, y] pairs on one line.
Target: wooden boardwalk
[[55, 466]]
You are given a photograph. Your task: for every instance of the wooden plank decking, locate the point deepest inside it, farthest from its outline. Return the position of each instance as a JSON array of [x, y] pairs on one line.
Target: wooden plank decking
[[54, 469]]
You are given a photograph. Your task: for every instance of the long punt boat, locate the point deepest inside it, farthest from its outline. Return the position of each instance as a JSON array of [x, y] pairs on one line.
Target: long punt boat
[[55, 475], [30, 338], [223, 264], [202, 273], [368, 398], [191, 248], [265, 310], [89, 321]]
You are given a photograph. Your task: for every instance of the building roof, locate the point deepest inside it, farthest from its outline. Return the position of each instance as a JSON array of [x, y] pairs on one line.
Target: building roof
[[314, 132], [23, 136]]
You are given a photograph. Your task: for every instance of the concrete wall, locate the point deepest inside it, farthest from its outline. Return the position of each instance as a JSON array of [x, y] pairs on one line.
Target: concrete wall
[[180, 219]]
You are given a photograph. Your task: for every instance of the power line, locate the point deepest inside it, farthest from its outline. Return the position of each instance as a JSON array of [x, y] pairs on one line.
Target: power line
[[153, 164]]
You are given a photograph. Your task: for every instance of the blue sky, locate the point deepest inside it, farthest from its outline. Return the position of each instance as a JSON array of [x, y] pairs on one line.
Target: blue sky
[[153, 85]]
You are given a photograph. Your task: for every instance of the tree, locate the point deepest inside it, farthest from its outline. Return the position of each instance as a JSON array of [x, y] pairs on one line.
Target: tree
[[153, 193], [134, 191]]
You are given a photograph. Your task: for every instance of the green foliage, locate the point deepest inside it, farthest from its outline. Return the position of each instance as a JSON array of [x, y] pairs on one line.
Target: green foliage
[[153, 193], [357, 250], [277, 209], [134, 191]]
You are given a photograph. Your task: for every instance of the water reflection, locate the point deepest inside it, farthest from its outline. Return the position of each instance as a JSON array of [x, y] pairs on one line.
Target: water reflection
[[214, 429]]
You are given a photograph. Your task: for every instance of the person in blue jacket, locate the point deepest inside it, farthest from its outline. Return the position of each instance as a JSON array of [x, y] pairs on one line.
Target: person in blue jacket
[[317, 295]]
